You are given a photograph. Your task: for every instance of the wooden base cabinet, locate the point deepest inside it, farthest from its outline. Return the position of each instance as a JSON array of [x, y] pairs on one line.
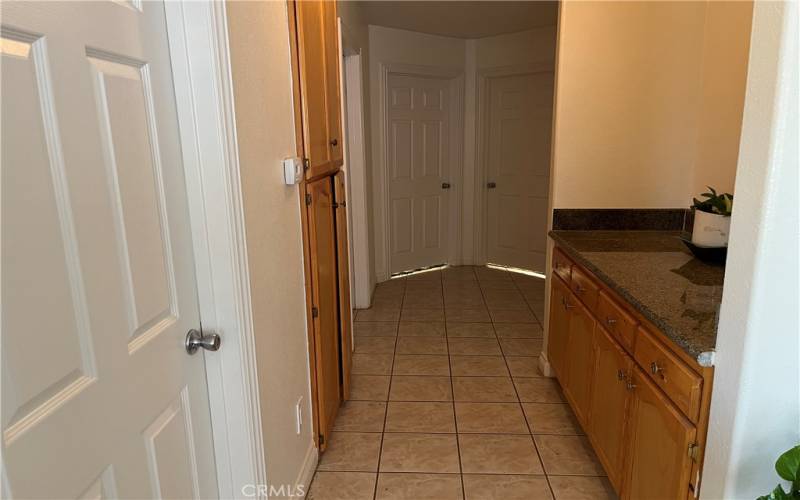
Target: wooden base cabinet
[[643, 403], [660, 440]]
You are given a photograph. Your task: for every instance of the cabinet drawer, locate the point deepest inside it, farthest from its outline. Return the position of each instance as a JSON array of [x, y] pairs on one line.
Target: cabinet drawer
[[673, 376], [584, 288], [562, 266], [616, 320]]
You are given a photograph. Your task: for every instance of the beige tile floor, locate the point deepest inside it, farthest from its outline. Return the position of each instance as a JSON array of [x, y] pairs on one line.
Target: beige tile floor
[[447, 400]]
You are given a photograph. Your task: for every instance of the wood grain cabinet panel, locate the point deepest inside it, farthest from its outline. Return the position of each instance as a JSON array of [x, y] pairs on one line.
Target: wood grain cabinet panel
[[584, 288], [559, 324], [562, 266], [676, 379], [578, 383], [320, 96], [324, 293], [343, 268], [658, 461], [610, 402], [616, 320]]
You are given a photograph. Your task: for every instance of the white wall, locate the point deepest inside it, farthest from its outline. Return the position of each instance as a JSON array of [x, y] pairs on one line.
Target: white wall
[[260, 67], [393, 46], [648, 101], [755, 406]]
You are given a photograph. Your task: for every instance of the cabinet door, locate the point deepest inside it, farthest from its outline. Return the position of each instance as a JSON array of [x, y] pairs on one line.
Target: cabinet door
[[609, 403], [659, 436], [578, 383], [318, 71], [557, 328], [324, 293], [343, 271]]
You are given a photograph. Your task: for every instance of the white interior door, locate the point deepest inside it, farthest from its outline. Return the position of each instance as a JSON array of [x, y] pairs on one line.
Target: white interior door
[[418, 170], [518, 129], [99, 397]]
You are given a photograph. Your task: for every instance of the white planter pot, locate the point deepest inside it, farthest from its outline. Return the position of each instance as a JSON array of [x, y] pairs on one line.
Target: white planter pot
[[710, 230]]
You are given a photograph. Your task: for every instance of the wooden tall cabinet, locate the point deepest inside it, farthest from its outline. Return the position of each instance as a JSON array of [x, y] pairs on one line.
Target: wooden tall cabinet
[[317, 51], [578, 379], [317, 99]]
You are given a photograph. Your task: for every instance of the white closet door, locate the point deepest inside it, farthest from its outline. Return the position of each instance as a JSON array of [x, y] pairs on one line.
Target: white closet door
[[418, 170], [99, 397]]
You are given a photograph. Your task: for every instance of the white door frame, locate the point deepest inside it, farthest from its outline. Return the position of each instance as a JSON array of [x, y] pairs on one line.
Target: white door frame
[[484, 77], [198, 39], [362, 281], [456, 78]]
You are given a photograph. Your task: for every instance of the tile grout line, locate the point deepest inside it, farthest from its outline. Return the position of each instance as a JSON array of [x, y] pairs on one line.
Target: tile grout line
[[522, 408], [453, 403], [388, 393]]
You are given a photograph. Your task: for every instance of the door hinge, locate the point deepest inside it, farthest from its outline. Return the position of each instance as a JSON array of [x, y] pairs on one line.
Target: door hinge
[[694, 451], [308, 199], [321, 439], [335, 205], [314, 312], [306, 164]]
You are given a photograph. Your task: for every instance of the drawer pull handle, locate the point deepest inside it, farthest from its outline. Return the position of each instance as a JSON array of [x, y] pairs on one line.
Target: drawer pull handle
[[657, 370], [610, 321]]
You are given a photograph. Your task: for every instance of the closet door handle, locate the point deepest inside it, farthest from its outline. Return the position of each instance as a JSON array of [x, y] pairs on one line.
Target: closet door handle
[[445, 185], [491, 185]]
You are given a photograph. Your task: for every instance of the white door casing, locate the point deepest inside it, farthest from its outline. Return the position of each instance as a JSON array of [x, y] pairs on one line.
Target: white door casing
[[421, 157], [516, 131], [100, 398]]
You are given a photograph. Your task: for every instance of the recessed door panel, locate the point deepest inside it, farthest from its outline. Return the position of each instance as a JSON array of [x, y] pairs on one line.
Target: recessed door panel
[[124, 98], [47, 343]]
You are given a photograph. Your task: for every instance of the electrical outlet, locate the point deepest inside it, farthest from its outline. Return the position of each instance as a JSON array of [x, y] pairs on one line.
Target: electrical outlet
[[298, 412]]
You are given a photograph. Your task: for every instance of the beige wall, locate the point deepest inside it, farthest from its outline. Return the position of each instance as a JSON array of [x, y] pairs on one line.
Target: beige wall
[[727, 44], [259, 47], [647, 99]]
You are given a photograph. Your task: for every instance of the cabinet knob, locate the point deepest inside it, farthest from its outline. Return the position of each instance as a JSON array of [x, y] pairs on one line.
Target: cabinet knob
[[334, 142], [630, 385], [620, 375], [655, 369], [610, 321]]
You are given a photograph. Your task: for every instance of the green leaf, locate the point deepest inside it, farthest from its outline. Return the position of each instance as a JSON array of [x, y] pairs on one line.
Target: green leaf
[[776, 494], [788, 465]]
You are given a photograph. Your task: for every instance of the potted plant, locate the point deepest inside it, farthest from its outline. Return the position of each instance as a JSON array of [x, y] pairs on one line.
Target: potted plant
[[788, 468], [712, 219]]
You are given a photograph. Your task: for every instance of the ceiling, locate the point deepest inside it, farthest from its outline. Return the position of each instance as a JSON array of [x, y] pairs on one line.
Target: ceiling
[[461, 19]]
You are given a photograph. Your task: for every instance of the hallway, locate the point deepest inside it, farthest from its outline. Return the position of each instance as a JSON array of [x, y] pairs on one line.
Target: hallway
[[447, 400]]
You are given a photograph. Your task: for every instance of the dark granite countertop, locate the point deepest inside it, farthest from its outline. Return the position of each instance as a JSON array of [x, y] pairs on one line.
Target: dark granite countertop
[[659, 277]]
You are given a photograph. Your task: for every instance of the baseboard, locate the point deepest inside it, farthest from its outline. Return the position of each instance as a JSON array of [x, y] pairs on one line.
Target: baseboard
[[544, 366], [309, 467]]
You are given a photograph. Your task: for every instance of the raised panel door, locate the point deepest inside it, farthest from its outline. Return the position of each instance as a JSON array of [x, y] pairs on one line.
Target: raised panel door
[[558, 328], [324, 294], [609, 403], [578, 383], [343, 266], [99, 397], [317, 50], [659, 436]]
